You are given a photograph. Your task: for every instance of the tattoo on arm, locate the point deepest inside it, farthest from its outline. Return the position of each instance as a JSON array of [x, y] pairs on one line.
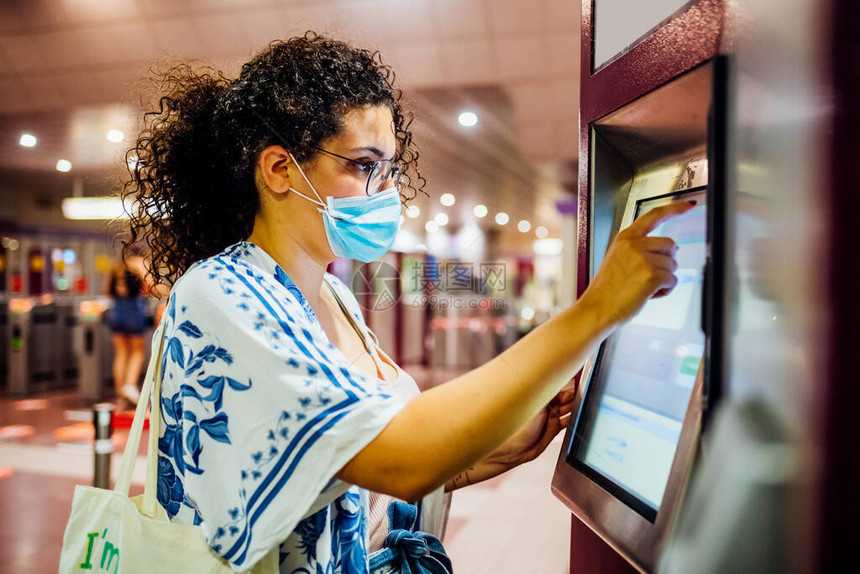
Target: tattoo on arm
[[462, 479]]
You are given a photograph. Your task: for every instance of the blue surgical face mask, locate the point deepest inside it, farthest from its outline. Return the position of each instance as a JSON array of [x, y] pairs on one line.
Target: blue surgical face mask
[[362, 228]]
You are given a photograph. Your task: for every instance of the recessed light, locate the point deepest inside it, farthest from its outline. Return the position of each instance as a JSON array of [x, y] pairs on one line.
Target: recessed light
[[64, 165], [109, 207], [467, 119], [480, 210], [447, 199], [413, 211], [524, 225], [28, 140], [548, 246], [115, 136], [502, 218], [441, 219], [431, 226], [541, 231]]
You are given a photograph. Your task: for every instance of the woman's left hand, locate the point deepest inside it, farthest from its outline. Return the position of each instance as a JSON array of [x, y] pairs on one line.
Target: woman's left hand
[[536, 435], [526, 445]]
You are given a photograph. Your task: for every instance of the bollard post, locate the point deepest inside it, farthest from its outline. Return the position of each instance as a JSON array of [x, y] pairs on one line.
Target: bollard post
[[103, 422]]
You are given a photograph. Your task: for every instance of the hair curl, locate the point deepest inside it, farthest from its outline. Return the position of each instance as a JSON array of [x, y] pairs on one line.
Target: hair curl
[[192, 167]]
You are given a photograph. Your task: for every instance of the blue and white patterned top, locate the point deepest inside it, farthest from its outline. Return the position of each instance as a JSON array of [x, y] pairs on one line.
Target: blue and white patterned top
[[260, 411]]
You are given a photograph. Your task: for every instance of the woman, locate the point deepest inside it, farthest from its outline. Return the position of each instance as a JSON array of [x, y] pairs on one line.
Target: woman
[[282, 415], [127, 324]]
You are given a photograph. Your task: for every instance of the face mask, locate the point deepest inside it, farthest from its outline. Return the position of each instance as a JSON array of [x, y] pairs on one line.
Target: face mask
[[362, 228]]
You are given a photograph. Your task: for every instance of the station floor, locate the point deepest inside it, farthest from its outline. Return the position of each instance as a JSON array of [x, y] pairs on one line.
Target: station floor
[[510, 524]]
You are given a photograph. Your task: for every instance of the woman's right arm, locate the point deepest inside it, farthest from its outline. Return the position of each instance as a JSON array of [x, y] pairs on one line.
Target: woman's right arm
[[449, 428]]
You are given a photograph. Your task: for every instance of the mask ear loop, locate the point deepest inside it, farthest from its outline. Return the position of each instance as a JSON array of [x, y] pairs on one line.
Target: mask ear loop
[[318, 200]]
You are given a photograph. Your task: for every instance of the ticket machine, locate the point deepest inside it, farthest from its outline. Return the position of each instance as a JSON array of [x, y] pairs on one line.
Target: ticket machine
[[650, 124], [758, 471]]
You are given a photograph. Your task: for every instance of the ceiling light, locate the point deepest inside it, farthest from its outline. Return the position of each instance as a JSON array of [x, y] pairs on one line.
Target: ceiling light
[[431, 226], [467, 119], [413, 211], [541, 231], [480, 210], [115, 136], [441, 219], [502, 218], [524, 225], [110, 207], [548, 246], [64, 165], [447, 199], [28, 140]]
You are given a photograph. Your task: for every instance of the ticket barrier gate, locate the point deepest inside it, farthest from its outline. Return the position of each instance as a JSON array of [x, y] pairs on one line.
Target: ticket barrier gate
[[51, 345], [67, 361], [94, 349], [463, 337], [19, 339], [38, 345]]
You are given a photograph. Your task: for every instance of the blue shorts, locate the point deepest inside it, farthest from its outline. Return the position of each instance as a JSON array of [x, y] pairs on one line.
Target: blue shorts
[[127, 316]]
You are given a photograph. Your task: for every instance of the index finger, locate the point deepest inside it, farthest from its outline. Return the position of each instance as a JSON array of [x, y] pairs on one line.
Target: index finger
[[649, 222]]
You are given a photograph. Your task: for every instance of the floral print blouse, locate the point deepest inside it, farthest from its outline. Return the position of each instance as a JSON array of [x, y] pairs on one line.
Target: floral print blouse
[[260, 411]]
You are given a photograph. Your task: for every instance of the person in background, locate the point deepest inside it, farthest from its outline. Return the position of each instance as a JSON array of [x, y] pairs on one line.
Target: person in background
[[129, 286], [128, 322]]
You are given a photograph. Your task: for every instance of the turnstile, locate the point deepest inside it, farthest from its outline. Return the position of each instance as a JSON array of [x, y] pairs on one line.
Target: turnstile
[[464, 337], [94, 350], [38, 345], [19, 346]]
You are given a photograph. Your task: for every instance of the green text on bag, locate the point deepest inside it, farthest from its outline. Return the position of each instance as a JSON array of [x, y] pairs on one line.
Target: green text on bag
[[109, 552]]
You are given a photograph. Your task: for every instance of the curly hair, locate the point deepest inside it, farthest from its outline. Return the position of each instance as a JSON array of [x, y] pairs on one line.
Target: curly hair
[[192, 188]]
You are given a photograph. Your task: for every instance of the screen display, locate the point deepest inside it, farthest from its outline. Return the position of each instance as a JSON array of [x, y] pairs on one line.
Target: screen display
[[630, 422], [618, 24]]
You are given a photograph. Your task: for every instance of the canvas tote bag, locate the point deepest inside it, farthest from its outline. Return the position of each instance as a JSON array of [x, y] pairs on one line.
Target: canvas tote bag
[[110, 532]]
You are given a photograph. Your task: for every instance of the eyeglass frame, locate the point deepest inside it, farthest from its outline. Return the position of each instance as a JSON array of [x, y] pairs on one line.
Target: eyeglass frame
[[396, 168]]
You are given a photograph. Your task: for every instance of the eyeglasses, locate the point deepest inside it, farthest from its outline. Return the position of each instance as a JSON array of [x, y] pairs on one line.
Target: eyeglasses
[[378, 172]]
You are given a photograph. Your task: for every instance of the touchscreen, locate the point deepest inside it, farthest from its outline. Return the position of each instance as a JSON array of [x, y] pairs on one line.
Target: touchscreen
[[631, 420]]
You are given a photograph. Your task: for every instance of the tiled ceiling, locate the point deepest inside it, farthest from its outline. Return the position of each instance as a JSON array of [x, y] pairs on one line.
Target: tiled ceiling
[[70, 68]]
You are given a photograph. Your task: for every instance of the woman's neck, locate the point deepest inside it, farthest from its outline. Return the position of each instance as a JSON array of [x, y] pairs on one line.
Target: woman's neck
[[296, 261]]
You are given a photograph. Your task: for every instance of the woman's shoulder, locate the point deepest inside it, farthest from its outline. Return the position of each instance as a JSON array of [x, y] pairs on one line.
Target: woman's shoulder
[[222, 280], [234, 282], [230, 266]]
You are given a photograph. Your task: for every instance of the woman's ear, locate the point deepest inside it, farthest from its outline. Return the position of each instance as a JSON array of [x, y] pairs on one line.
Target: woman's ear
[[273, 164]]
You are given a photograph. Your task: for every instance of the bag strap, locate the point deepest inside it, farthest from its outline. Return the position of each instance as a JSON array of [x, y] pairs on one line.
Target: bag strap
[[151, 384], [368, 337], [150, 487], [364, 335]]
